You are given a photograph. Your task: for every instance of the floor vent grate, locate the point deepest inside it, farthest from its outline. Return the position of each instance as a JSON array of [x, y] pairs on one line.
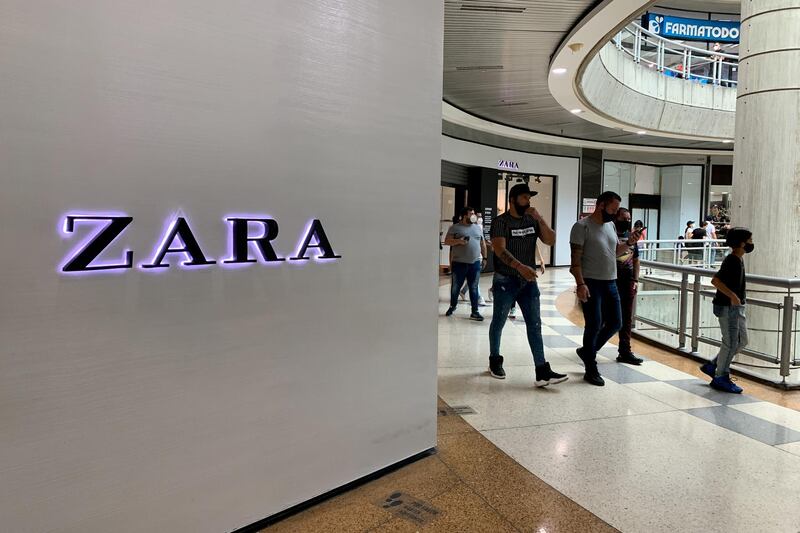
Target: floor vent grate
[[457, 410]]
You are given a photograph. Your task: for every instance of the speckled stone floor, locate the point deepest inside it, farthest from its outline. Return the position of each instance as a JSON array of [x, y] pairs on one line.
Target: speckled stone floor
[[474, 486], [654, 450]]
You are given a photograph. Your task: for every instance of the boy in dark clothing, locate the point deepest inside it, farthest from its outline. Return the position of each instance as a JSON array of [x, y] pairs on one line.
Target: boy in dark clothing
[[729, 307]]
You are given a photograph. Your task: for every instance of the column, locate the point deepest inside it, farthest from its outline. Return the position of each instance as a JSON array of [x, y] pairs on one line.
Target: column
[[766, 179], [766, 175]]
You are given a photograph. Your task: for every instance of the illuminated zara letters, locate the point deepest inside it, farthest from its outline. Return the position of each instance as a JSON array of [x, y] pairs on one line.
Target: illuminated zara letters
[[178, 239]]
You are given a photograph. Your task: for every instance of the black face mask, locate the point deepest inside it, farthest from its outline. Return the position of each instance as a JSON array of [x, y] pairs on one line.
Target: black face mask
[[749, 247], [606, 216], [623, 226]]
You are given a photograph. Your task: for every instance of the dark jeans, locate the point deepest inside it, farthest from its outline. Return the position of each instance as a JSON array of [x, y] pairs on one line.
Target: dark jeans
[[470, 272], [627, 297], [603, 315], [506, 290]]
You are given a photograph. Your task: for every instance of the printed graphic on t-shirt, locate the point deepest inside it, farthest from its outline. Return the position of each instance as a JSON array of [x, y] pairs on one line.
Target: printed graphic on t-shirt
[[522, 232]]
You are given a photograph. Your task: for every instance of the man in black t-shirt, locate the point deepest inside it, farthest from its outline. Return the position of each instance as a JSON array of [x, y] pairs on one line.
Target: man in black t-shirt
[[696, 248], [514, 235], [729, 307]]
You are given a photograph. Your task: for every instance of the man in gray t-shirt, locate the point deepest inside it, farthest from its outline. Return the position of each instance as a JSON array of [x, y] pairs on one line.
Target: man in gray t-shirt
[[599, 242], [595, 245], [468, 249]]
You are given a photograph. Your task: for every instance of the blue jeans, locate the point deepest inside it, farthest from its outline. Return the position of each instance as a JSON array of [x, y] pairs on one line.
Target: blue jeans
[[733, 323], [506, 291], [603, 316], [471, 272]]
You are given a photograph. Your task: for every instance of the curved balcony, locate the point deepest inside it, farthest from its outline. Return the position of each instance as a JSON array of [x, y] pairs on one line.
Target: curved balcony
[[636, 81], [660, 86]]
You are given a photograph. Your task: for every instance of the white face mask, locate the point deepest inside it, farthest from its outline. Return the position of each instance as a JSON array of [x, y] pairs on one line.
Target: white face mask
[[480, 222], [473, 219]]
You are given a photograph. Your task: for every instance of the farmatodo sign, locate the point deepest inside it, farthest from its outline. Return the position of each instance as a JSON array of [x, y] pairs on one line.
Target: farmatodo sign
[[250, 240]]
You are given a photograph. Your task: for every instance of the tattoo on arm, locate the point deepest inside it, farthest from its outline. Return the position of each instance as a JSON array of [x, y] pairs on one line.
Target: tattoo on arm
[[506, 257], [575, 267]]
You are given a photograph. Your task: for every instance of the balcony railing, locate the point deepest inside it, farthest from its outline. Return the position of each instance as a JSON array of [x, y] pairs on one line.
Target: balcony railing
[[674, 309], [677, 59]]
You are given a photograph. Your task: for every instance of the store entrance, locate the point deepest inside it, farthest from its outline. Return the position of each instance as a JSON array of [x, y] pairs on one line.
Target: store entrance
[[647, 208], [544, 201]]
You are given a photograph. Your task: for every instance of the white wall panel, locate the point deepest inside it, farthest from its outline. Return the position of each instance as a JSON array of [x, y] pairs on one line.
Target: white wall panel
[[204, 400]]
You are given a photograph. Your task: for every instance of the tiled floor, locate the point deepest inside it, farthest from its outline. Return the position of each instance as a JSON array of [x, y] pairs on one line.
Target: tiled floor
[[654, 450]]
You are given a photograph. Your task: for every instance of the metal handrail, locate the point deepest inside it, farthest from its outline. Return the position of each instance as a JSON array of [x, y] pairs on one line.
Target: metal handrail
[[681, 45], [692, 56], [692, 332], [712, 250], [769, 281]]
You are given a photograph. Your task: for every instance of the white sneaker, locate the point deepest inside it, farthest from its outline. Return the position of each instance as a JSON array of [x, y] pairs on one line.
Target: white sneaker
[[482, 302], [513, 313]]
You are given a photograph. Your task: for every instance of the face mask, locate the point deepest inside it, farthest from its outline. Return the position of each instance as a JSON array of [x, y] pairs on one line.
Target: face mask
[[622, 226], [520, 208], [480, 222], [606, 217], [749, 247], [473, 219]]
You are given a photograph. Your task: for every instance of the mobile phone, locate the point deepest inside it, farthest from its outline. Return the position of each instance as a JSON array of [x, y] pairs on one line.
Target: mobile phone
[[466, 238]]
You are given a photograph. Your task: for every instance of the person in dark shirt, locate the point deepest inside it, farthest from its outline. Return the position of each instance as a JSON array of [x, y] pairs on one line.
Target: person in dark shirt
[[695, 248], [514, 235], [627, 282], [729, 307]]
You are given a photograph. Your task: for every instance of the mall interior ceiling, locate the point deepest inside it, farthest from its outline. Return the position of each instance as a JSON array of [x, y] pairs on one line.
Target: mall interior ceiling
[[497, 56]]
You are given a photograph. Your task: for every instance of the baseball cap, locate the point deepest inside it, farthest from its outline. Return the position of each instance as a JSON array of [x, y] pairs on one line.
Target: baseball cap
[[521, 188]]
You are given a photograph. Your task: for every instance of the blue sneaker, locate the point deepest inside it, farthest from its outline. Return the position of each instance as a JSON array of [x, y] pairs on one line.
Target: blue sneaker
[[723, 383], [709, 369]]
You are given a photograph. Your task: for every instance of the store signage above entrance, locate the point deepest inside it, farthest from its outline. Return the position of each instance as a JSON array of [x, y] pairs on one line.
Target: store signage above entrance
[[692, 29], [507, 165], [178, 239]]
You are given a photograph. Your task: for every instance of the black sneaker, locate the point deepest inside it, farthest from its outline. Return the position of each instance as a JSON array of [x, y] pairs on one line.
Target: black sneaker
[[496, 367], [709, 369], [450, 311], [545, 376], [594, 378], [579, 351], [476, 316], [629, 359]]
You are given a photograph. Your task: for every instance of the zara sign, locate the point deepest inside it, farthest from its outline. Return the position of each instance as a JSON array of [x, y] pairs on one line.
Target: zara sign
[[178, 238], [507, 165]]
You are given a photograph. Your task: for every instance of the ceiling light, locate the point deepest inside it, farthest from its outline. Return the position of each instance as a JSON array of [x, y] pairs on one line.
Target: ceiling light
[[641, 132], [559, 70], [727, 141], [576, 111]]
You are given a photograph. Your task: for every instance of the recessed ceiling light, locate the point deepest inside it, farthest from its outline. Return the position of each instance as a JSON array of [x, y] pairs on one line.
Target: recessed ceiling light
[[641, 132], [576, 111], [559, 70], [727, 141]]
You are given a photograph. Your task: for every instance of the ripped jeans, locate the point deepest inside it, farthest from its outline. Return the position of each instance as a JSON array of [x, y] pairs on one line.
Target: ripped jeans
[[506, 290]]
